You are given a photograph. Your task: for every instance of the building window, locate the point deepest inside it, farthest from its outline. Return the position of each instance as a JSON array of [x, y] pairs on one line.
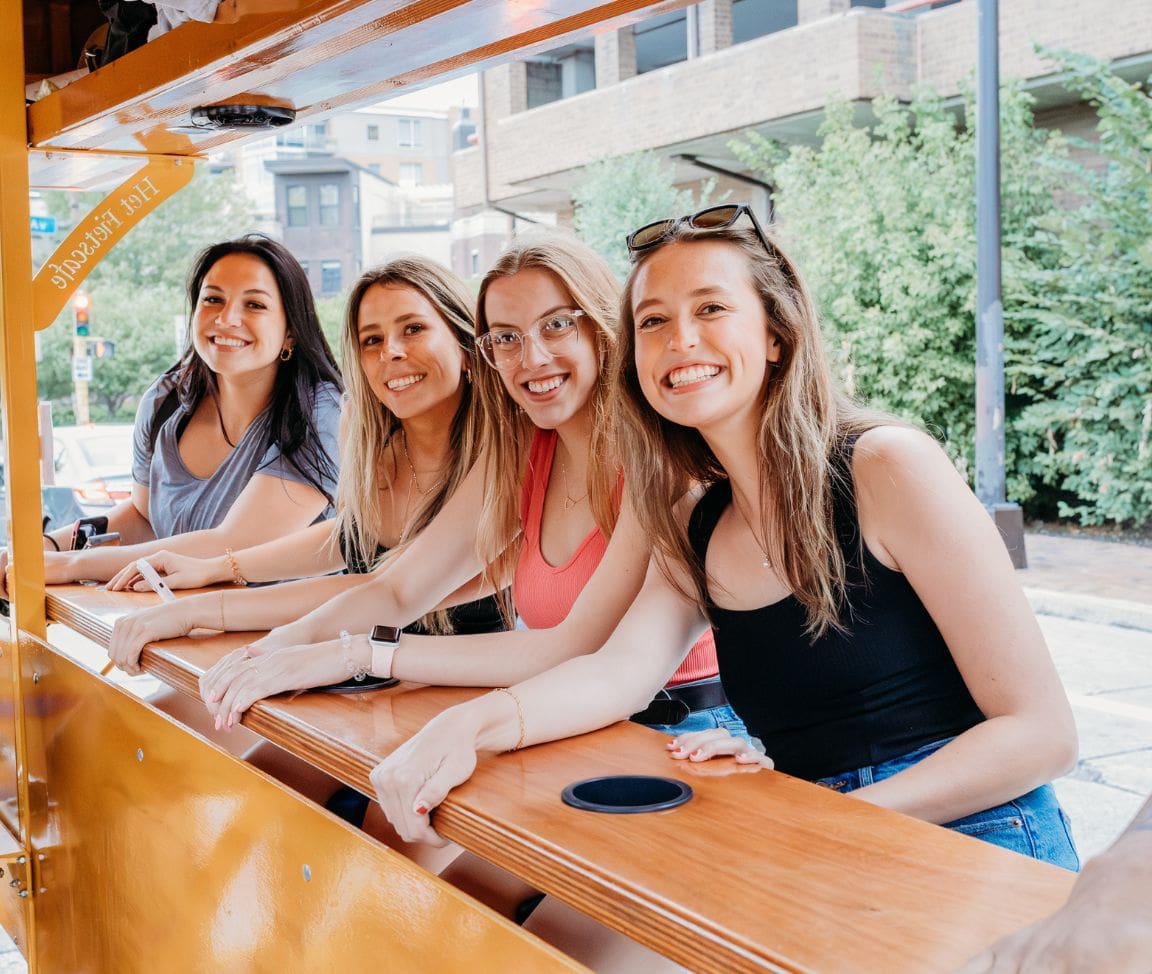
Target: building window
[[297, 206], [661, 41], [754, 18], [330, 277], [411, 174], [373, 133], [408, 133], [320, 129], [329, 205], [475, 263], [561, 73]]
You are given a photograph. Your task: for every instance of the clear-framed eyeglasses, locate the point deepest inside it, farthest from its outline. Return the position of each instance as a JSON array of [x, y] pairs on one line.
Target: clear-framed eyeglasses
[[503, 348]]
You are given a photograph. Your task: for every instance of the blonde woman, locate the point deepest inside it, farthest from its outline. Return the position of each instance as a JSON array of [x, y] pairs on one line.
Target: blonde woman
[[869, 626], [409, 424], [541, 509]]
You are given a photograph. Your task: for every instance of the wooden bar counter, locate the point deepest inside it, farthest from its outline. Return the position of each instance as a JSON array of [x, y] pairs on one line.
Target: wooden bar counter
[[759, 871]]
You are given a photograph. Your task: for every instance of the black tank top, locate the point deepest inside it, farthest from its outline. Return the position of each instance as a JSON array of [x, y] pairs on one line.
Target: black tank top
[[483, 615], [883, 687]]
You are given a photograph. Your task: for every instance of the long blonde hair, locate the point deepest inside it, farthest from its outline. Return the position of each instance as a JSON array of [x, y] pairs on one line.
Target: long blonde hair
[[508, 431], [370, 427], [805, 421]]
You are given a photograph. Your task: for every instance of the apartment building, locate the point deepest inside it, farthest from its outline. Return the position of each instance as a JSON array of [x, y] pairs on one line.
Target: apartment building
[[348, 192], [687, 81]]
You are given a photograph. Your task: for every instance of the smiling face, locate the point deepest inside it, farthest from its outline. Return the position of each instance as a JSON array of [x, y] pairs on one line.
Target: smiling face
[[239, 327], [702, 337], [409, 354], [553, 389]]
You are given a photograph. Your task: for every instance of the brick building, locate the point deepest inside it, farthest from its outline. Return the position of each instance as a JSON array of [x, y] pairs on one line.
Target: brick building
[[685, 82]]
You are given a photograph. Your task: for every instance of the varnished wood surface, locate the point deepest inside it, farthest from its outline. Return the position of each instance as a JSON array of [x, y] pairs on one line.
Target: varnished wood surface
[[316, 57], [759, 871]]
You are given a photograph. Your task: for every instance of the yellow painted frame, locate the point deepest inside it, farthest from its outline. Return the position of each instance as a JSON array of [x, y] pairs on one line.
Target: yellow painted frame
[[192, 860]]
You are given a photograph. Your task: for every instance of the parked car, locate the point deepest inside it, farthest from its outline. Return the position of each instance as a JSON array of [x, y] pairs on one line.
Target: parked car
[[96, 462], [93, 471]]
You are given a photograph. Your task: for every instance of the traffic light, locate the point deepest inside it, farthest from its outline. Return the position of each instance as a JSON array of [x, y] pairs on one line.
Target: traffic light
[[80, 305]]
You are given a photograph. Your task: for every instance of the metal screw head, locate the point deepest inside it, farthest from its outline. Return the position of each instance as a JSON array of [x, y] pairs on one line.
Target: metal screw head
[[35, 677], [140, 754], [21, 860], [307, 873], [23, 894]]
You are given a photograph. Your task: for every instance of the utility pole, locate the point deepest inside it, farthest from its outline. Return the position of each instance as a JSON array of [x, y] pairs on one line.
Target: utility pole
[[990, 481], [81, 363]]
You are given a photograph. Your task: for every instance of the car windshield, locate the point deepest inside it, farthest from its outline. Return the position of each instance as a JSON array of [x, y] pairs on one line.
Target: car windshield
[[107, 451]]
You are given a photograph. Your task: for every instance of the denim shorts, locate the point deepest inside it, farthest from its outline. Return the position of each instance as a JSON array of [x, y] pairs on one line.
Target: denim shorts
[[1033, 824], [723, 717]]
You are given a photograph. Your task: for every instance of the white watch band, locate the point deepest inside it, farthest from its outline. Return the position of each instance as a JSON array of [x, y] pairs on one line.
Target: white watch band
[[382, 654]]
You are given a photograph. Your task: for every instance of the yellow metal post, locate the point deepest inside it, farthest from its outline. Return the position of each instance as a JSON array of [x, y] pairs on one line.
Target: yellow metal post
[[21, 440]]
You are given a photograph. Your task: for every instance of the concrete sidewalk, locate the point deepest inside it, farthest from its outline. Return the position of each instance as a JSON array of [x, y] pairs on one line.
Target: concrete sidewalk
[[1079, 577]]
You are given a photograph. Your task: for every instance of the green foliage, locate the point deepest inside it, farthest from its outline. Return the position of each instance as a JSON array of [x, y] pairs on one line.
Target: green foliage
[[1091, 327], [883, 222], [331, 314], [618, 195], [137, 291]]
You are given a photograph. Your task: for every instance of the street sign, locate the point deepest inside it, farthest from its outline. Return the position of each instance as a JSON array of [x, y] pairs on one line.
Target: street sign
[[81, 368], [43, 224]]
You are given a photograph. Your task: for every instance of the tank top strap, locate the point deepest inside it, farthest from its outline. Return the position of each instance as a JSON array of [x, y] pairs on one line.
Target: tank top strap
[[706, 515], [540, 453]]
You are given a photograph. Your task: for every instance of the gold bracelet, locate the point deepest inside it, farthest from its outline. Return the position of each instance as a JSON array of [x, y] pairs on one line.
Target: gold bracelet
[[237, 578], [223, 628], [519, 716]]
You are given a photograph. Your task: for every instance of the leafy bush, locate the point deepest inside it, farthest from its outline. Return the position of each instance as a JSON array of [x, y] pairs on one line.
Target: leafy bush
[[883, 222]]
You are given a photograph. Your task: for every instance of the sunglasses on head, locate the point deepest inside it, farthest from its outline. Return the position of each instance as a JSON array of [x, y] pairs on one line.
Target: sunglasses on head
[[712, 218]]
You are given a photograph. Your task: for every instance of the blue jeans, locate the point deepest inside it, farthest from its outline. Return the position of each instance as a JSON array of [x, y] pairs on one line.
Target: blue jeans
[[723, 717], [1033, 824]]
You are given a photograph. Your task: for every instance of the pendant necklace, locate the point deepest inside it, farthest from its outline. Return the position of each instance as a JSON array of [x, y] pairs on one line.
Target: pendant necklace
[[740, 510], [569, 501]]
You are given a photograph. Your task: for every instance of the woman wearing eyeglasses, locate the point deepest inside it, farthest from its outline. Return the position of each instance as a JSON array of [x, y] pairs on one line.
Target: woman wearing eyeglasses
[[411, 432], [869, 627], [538, 510]]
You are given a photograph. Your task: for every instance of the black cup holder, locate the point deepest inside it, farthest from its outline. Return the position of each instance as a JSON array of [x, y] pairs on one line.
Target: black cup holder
[[626, 794]]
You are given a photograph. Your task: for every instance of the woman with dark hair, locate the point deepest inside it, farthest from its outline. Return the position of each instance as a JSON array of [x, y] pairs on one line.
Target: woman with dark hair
[[868, 625], [411, 432], [236, 444]]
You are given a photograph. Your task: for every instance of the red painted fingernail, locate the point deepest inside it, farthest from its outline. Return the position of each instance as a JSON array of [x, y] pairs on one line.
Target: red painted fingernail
[[696, 753], [421, 808]]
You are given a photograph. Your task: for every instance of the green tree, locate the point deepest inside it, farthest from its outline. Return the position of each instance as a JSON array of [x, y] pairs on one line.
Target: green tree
[[1090, 317], [137, 291], [617, 195]]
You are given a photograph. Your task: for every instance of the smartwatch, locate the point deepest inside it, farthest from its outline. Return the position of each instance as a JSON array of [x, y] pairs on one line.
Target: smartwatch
[[384, 641]]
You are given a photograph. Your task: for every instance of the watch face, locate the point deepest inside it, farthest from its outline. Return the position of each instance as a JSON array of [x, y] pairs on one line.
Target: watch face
[[385, 634]]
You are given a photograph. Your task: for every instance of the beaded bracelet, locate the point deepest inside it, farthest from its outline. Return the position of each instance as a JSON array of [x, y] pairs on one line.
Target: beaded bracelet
[[237, 578], [519, 717], [355, 670]]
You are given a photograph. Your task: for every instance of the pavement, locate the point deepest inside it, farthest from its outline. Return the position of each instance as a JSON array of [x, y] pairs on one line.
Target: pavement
[[1093, 598]]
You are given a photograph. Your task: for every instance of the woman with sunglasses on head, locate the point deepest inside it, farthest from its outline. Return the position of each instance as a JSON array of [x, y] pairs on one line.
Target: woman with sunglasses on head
[[410, 424], [539, 509], [868, 624], [235, 445]]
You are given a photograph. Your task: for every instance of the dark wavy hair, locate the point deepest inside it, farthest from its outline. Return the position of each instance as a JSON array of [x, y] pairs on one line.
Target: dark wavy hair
[[291, 420]]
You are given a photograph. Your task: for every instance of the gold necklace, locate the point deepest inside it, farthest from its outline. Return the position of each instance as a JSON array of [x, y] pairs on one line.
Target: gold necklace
[[569, 501], [412, 468], [740, 510]]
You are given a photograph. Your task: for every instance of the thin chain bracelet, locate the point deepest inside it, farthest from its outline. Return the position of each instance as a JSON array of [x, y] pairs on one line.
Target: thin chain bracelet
[[237, 578], [519, 716]]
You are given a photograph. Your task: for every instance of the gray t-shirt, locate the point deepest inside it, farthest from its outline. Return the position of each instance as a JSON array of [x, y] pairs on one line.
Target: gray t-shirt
[[179, 501]]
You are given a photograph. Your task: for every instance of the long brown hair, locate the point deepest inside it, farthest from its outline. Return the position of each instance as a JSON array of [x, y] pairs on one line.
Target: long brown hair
[[370, 427], [508, 431], [805, 421]]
